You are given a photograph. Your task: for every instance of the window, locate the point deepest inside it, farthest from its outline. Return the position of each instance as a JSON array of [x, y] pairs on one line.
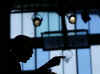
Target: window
[[82, 61]]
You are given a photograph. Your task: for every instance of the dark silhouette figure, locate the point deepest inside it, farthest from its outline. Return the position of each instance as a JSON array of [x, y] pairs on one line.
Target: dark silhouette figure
[[21, 50]]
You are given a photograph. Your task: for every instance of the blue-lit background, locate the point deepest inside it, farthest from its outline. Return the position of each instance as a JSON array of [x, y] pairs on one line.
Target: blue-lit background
[[88, 59]]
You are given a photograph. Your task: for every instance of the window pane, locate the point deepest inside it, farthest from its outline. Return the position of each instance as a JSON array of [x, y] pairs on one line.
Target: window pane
[[80, 23], [70, 60], [96, 59], [95, 50], [84, 65], [40, 53], [95, 24], [54, 26], [15, 25], [28, 30], [64, 66]]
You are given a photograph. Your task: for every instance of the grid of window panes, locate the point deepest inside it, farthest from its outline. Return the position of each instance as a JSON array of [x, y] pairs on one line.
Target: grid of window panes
[[87, 61]]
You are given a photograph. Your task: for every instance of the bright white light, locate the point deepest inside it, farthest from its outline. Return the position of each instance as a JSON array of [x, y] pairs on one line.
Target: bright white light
[[72, 19]]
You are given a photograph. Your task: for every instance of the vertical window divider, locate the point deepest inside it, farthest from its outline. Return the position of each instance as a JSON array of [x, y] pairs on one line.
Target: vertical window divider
[[48, 31], [22, 30], [77, 66], [90, 51]]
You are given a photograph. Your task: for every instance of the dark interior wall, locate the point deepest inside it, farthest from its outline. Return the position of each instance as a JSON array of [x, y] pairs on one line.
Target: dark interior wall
[[73, 3], [55, 5], [4, 34]]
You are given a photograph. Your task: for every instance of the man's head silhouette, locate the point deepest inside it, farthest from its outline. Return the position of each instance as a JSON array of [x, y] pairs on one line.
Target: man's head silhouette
[[22, 48], [21, 51]]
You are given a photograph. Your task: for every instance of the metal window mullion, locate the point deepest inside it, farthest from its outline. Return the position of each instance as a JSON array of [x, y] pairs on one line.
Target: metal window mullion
[[22, 32], [90, 51], [77, 66]]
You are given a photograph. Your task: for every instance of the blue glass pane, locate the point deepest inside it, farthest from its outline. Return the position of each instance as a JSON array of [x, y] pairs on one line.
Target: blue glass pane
[[54, 25], [29, 65], [95, 50], [15, 25], [84, 66], [80, 23], [42, 56], [95, 24], [44, 25], [84, 61], [54, 22], [28, 30]]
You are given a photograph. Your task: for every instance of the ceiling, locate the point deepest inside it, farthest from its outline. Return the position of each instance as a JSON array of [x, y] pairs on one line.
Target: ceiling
[[55, 5]]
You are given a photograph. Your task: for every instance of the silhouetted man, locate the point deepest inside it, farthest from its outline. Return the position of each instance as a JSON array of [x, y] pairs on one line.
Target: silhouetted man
[[21, 50]]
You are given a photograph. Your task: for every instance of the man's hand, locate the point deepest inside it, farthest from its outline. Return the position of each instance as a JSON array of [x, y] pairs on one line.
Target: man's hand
[[53, 62], [45, 69], [56, 60]]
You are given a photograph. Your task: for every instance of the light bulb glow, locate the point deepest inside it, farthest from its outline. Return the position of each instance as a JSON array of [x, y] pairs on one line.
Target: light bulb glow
[[72, 20], [37, 22]]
